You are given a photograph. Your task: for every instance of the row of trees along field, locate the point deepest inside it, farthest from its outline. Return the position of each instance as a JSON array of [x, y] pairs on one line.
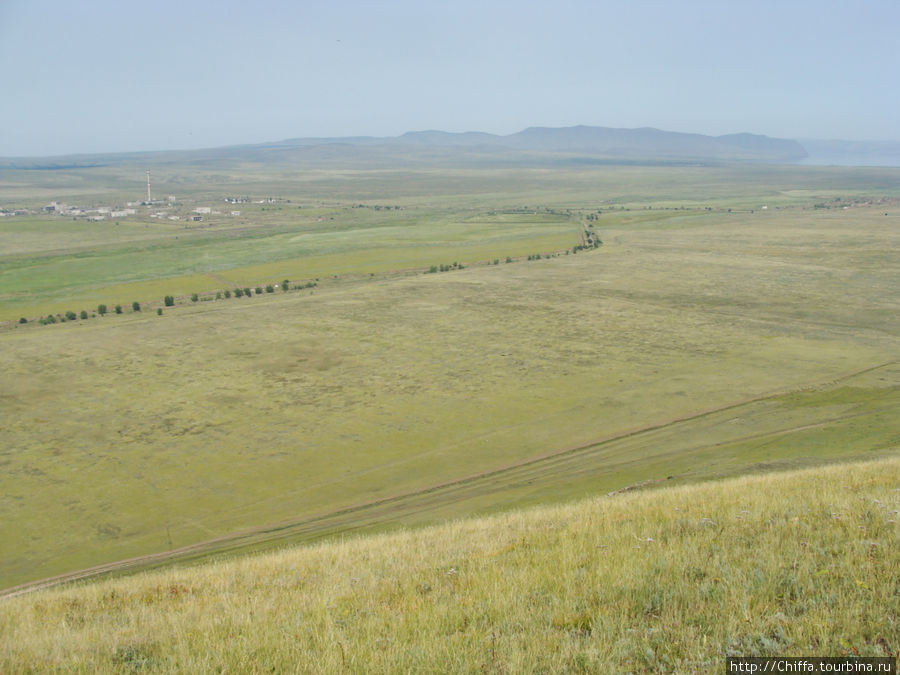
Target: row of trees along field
[[168, 301], [591, 241]]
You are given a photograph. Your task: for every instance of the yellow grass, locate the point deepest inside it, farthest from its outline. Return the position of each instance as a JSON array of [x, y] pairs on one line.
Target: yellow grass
[[801, 563]]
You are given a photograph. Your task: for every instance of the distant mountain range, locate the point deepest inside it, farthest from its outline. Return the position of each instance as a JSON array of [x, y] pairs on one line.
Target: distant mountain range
[[599, 142], [535, 145]]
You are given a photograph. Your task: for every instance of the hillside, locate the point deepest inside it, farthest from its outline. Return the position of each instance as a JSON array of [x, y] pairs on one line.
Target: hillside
[[670, 580]]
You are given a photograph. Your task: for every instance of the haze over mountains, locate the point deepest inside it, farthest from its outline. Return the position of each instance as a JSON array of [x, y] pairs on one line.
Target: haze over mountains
[[577, 144], [645, 143]]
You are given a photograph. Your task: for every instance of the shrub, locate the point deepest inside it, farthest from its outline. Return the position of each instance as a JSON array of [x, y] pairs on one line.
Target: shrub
[[23, 320], [169, 301], [496, 261], [83, 314], [238, 292], [270, 288], [70, 316], [118, 309], [259, 290], [247, 292], [101, 309], [159, 311], [218, 295], [135, 306], [227, 293], [194, 297], [508, 259], [284, 285], [433, 269]]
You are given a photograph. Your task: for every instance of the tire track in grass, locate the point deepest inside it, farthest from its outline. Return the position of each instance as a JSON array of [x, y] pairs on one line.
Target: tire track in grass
[[359, 516]]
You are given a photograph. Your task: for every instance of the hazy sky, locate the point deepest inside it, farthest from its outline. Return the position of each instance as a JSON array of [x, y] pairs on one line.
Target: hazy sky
[[104, 75]]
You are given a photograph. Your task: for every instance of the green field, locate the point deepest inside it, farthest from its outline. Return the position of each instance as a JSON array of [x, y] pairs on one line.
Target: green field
[[707, 336], [664, 581]]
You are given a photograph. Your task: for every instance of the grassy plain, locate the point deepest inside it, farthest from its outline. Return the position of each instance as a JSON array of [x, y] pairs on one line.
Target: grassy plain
[[664, 581], [694, 343], [329, 221]]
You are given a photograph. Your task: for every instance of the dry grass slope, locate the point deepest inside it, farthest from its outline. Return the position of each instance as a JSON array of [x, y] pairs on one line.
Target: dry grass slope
[[671, 580]]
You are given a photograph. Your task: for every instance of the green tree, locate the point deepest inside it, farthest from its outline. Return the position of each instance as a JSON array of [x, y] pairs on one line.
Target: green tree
[[270, 288], [259, 290], [227, 294], [23, 320], [84, 314], [284, 285], [247, 292], [70, 316], [118, 309], [101, 309], [135, 306], [194, 297], [169, 301], [238, 292], [159, 311]]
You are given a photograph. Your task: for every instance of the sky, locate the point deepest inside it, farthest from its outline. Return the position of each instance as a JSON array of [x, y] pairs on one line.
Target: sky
[[114, 76]]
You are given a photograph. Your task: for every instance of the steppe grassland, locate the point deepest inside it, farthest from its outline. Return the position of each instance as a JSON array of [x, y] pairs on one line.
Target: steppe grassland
[[670, 580], [136, 434], [297, 246], [57, 265]]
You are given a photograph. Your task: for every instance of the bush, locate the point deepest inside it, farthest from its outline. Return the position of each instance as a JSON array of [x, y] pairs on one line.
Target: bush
[[70, 316], [169, 301], [259, 290], [218, 295], [238, 292], [247, 292], [159, 311], [118, 309], [23, 320], [194, 297], [83, 314], [284, 285], [227, 293], [135, 306], [508, 259], [270, 288], [101, 309]]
